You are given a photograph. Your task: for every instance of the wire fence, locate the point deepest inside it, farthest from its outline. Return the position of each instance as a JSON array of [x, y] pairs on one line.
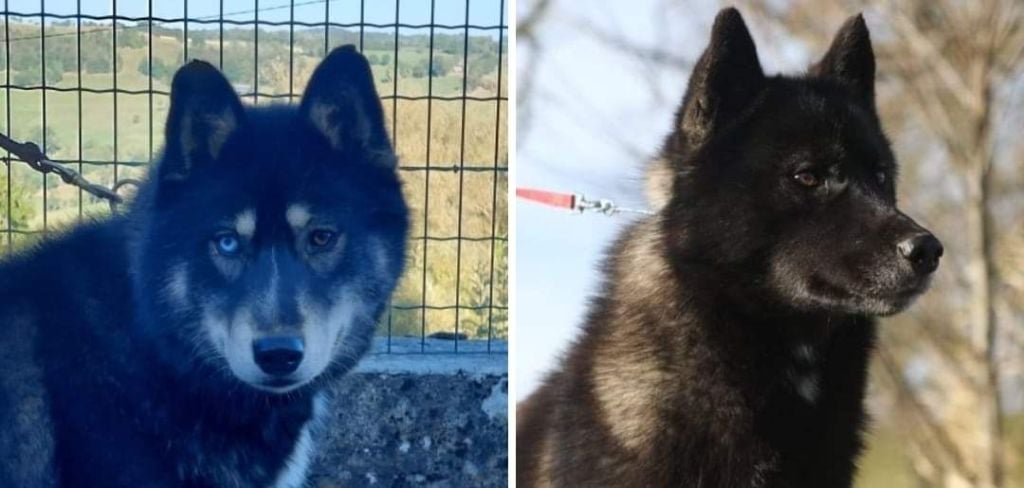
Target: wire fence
[[88, 81]]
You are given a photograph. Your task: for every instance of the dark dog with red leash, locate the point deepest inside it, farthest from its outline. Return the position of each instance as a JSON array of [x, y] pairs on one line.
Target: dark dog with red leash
[[729, 346]]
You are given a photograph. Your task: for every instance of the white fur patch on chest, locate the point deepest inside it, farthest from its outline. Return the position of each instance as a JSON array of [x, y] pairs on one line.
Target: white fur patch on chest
[[804, 375], [807, 387], [296, 467], [806, 384], [805, 353]]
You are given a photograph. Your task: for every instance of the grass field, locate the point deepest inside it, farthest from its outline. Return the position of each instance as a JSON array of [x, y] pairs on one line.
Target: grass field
[[463, 213]]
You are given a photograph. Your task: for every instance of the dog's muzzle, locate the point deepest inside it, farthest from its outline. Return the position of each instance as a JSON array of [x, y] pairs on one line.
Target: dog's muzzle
[[278, 355]]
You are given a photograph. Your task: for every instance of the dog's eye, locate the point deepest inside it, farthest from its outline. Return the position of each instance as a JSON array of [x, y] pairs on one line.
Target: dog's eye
[[227, 243], [321, 238], [881, 176], [807, 179]]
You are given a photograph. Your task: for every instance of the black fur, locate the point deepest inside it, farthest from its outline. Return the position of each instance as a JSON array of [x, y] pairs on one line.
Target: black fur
[[730, 344], [106, 381]]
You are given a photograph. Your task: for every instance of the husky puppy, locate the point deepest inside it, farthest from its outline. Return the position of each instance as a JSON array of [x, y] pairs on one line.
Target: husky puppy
[[729, 345], [186, 342]]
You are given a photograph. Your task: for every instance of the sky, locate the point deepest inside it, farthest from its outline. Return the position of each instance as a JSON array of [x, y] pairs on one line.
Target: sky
[[451, 12], [597, 113]]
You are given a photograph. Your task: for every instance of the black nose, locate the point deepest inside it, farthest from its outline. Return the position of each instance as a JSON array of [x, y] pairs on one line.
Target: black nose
[[279, 355], [923, 251]]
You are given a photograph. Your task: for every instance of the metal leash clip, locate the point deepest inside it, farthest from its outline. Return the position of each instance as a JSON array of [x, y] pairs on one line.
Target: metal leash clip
[[604, 206]]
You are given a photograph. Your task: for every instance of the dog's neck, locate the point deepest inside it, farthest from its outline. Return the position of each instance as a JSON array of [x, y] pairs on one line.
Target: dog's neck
[[660, 343]]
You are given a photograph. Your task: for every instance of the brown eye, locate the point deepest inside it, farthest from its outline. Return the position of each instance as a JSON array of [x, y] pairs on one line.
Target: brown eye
[[321, 238], [807, 179]]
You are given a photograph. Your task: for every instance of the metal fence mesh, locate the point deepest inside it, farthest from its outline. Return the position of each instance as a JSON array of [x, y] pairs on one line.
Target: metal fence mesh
[[89, 82]]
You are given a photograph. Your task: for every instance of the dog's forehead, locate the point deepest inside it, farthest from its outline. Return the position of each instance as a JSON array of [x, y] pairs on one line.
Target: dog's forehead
[[818, 122], [803, 103]]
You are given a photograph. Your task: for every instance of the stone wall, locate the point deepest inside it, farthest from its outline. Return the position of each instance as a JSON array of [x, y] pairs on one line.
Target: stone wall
[[408, 418]]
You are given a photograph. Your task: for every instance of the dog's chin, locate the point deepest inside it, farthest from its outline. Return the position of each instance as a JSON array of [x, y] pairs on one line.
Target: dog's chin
[[882, 305], [893, 300], [271, 384], [277, 386], [859, 299]]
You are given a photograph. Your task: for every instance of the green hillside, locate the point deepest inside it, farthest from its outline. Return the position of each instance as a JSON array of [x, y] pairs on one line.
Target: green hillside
[[86, 126]]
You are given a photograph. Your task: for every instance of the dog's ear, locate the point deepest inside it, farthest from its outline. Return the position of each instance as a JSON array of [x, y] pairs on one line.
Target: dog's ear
[[726, 78], [204, 111], [850, 59], [342, 104]]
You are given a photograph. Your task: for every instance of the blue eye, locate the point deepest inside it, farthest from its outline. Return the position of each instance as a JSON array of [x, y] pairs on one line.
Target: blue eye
[[227, 244]]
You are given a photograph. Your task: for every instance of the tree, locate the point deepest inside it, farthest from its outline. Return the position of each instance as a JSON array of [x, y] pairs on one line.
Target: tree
[[486, 289], [130, 37], [158, 70], [20, 212], [441, 64], [482, 65], [99, 60], [25, 78], [238, 66], [529, 39]]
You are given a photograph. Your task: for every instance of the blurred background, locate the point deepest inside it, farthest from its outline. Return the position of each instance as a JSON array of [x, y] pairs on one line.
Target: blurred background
[[596, 89]]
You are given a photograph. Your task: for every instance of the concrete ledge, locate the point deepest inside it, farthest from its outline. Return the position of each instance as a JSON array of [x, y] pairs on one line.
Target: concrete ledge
[[417, 345], [438, 420]]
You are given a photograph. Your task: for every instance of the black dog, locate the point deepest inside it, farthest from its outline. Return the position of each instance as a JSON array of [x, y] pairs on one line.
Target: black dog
[[185, 343], [730, 344]]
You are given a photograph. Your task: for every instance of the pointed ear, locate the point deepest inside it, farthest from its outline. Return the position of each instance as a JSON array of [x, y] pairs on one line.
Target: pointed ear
[[850, 59], [341, 103], [725, 80], [204, 111]]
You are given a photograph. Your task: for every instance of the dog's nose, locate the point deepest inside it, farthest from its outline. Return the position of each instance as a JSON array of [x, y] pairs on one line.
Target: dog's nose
[[923, 251], [278, 355]]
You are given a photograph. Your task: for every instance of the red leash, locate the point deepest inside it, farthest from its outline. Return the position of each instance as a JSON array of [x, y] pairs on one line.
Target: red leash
[[549, 198], [575, 202]]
